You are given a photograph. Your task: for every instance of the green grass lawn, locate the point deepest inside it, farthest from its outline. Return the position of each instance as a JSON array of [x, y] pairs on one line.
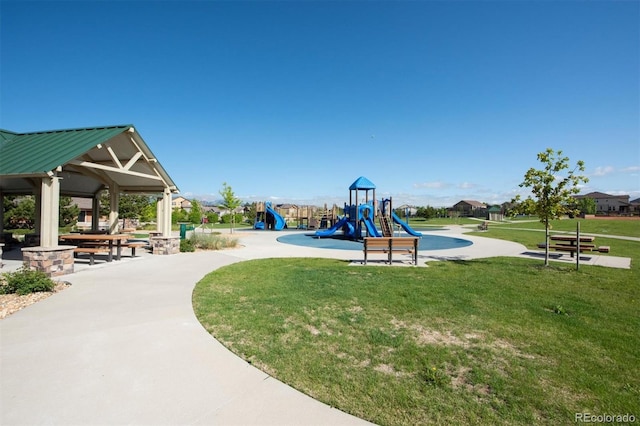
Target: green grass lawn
[[492, 341], [630, 228]]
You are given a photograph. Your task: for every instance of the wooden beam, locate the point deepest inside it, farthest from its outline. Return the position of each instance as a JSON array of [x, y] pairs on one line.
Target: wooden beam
[[114, 157], [90, 165], [133, 160]]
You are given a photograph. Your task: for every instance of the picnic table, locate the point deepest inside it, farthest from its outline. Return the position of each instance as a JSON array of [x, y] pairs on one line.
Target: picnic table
[[570, 243], [97, 243]]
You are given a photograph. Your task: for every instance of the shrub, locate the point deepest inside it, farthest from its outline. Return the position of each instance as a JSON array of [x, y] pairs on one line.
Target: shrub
[[187, 246], [25, 281], [211, 241]]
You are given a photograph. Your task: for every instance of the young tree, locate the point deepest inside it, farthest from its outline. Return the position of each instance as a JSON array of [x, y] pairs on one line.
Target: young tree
[[196, 214], [229, 202], [552, 189]]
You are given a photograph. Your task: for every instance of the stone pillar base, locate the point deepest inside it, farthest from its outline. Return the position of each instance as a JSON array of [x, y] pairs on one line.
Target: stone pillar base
[[165, 245], [53, 261]]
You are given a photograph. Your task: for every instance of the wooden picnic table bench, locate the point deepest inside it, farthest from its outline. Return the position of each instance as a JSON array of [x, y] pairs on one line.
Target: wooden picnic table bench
[[570, 243], [390, 245], [133, 245], [92, 251], [96, 243]]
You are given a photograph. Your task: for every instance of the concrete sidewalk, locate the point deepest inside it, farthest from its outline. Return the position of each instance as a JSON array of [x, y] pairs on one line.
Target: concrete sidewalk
[[123, 346]]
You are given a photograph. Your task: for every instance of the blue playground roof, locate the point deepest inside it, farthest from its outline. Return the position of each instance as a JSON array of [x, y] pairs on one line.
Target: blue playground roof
[[362, 183]]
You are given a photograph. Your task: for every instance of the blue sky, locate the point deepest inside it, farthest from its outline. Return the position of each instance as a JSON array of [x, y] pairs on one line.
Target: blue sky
[[432, 101]]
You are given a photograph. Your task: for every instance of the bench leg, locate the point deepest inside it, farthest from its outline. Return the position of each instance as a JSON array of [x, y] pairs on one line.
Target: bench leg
[[91, 259]]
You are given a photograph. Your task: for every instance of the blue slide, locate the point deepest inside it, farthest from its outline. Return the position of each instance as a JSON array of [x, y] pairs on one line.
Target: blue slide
[[338, 225], [371, 227], [405, 225], [280, 222]]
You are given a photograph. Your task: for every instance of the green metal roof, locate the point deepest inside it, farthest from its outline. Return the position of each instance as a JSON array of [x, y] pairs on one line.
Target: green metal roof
[[40, 152], [91, 159]]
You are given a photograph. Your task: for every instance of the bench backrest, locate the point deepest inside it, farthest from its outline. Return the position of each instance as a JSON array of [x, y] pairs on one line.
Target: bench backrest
[[393, 242]]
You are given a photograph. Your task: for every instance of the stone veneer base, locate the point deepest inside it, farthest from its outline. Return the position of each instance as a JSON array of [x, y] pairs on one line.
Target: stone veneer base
[[53, 261], [165, 245]]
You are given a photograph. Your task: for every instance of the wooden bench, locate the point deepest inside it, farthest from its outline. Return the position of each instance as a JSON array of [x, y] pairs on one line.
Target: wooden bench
[[133, 246], [483, 226], [92, 251], [573, 249], [103, 244], [390, 245]]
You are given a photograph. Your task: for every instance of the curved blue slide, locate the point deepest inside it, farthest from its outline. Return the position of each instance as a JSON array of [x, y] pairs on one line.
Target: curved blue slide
[[280, 222], [371, 227], [405, 225], [339, 224]]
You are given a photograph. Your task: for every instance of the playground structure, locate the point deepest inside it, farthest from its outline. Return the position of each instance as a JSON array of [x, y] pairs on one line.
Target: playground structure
[[299, 216], [268, 218], [358, 220], [323, 218]]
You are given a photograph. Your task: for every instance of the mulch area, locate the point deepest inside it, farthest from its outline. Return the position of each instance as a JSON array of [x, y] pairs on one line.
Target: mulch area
[[11, 303]]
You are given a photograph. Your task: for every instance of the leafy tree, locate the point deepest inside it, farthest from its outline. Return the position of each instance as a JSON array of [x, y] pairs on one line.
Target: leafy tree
[[552, 189], [229, 202], [133, 206], [250, 210], [130, 206], [430, 212], [196, 214], [179, 215], [19, 212], [213, 217], [586, 205], [149, 212]]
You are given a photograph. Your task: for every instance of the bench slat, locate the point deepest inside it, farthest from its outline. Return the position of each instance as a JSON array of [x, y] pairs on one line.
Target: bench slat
[[583, 248]]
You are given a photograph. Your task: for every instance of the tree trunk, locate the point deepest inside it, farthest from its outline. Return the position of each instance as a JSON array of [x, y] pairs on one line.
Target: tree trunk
[[546, 242]]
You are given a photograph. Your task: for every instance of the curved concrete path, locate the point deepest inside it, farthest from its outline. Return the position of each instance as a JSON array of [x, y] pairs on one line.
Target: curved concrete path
[[123, 346]]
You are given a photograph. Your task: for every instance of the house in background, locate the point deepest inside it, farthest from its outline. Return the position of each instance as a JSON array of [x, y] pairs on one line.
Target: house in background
[[609, 204], [85, 216], [470, 208], [412, 210], [179, 202]]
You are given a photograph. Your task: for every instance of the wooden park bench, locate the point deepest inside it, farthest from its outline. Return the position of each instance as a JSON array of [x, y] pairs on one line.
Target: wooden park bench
[[390, 245]]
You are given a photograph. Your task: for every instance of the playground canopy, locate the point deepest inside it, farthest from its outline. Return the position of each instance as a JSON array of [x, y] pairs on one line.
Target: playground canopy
[[81, 163], [362, 183]]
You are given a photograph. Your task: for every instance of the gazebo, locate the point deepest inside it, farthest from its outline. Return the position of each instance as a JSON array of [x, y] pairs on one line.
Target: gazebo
[[81, 163]]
